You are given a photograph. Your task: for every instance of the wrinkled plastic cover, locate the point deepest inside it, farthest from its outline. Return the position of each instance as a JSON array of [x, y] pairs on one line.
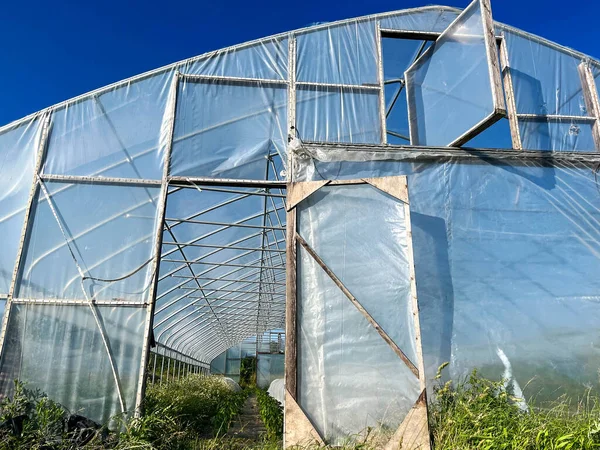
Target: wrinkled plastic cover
[[505, 255], [360, 233], [48, 345], [448, 88]]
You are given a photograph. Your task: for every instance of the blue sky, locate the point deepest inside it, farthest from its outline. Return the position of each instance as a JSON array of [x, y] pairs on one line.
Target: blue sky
[[52, 51]]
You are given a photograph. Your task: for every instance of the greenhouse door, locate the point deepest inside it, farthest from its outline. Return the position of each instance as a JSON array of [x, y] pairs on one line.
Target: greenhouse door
[[454, 90], [353, 358]]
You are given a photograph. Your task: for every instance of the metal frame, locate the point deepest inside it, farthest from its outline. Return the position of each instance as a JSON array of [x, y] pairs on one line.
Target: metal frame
[[161, 210]]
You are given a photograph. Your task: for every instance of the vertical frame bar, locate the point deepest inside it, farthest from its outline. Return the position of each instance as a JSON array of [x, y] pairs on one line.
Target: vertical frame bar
[[291, 104], [590, 95], [168, 127], [382, 111], [413, 293], [44, 134], [290, 378], [489, 35], [511, 106], [291, 307], [154, 368]]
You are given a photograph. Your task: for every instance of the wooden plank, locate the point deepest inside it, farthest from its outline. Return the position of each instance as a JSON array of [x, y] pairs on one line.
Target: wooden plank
[[296, 192], [290, 305], [413, 296], [394, 186], [590, 95], [489, 36], [511, 106], [358, 306], [298, 430], [413, 432]]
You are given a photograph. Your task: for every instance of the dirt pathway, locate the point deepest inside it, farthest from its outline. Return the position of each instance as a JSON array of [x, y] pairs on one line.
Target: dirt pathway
[[248, 425]]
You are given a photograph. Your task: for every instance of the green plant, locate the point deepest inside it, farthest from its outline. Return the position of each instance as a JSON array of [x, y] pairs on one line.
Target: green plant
[[271, 412], [201, 406], [477, 413], [248, 372]]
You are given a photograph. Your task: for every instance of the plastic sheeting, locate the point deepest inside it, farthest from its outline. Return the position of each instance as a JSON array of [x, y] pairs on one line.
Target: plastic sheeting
[[228, 363], [269, 367], [104, 136], [232, 142], [109, 229], [542, 92], [349, 378], [18, 147], [348, 54], [59, 350], [448, 88], [505, 256], [338, 115]]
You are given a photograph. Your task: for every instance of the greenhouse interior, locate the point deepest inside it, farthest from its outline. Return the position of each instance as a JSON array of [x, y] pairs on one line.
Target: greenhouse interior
[[354, 203]]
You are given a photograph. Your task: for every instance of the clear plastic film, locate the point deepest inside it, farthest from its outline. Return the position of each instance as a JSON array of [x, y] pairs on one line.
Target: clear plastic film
[[226, 130], [349, 378], [103, 136], [18, 149], [106, 231], [505, 251], [59, 350]]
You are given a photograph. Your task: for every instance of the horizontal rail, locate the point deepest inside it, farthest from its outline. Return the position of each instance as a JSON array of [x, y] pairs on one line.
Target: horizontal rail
[[225, 224], [182, 261]]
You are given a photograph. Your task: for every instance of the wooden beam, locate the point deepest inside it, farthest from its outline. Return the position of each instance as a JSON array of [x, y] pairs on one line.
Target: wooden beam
[[298, 430], [511, 106], [489, 36], [590, 95], [358, 306], [394, 186], [290, 305], [413, 432], [299, 191]]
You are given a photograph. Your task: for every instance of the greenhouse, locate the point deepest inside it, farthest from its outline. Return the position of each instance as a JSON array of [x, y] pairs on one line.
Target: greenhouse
[[393, 191]]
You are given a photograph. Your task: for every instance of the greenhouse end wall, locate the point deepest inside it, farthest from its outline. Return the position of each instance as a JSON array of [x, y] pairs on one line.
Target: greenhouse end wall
[[154, 210]]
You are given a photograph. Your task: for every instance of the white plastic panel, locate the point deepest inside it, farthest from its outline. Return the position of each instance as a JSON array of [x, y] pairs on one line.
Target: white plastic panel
[[349, 378], [430, 18], [267, 59], [115, 134], [338, 115], [557, 135], [18, 149], [341, 54], [225, 130], [111, 231], [452, 88], [59, 350]]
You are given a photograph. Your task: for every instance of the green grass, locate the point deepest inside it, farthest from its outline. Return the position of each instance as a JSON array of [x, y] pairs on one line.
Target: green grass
[[195, 412], [477, 413]]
